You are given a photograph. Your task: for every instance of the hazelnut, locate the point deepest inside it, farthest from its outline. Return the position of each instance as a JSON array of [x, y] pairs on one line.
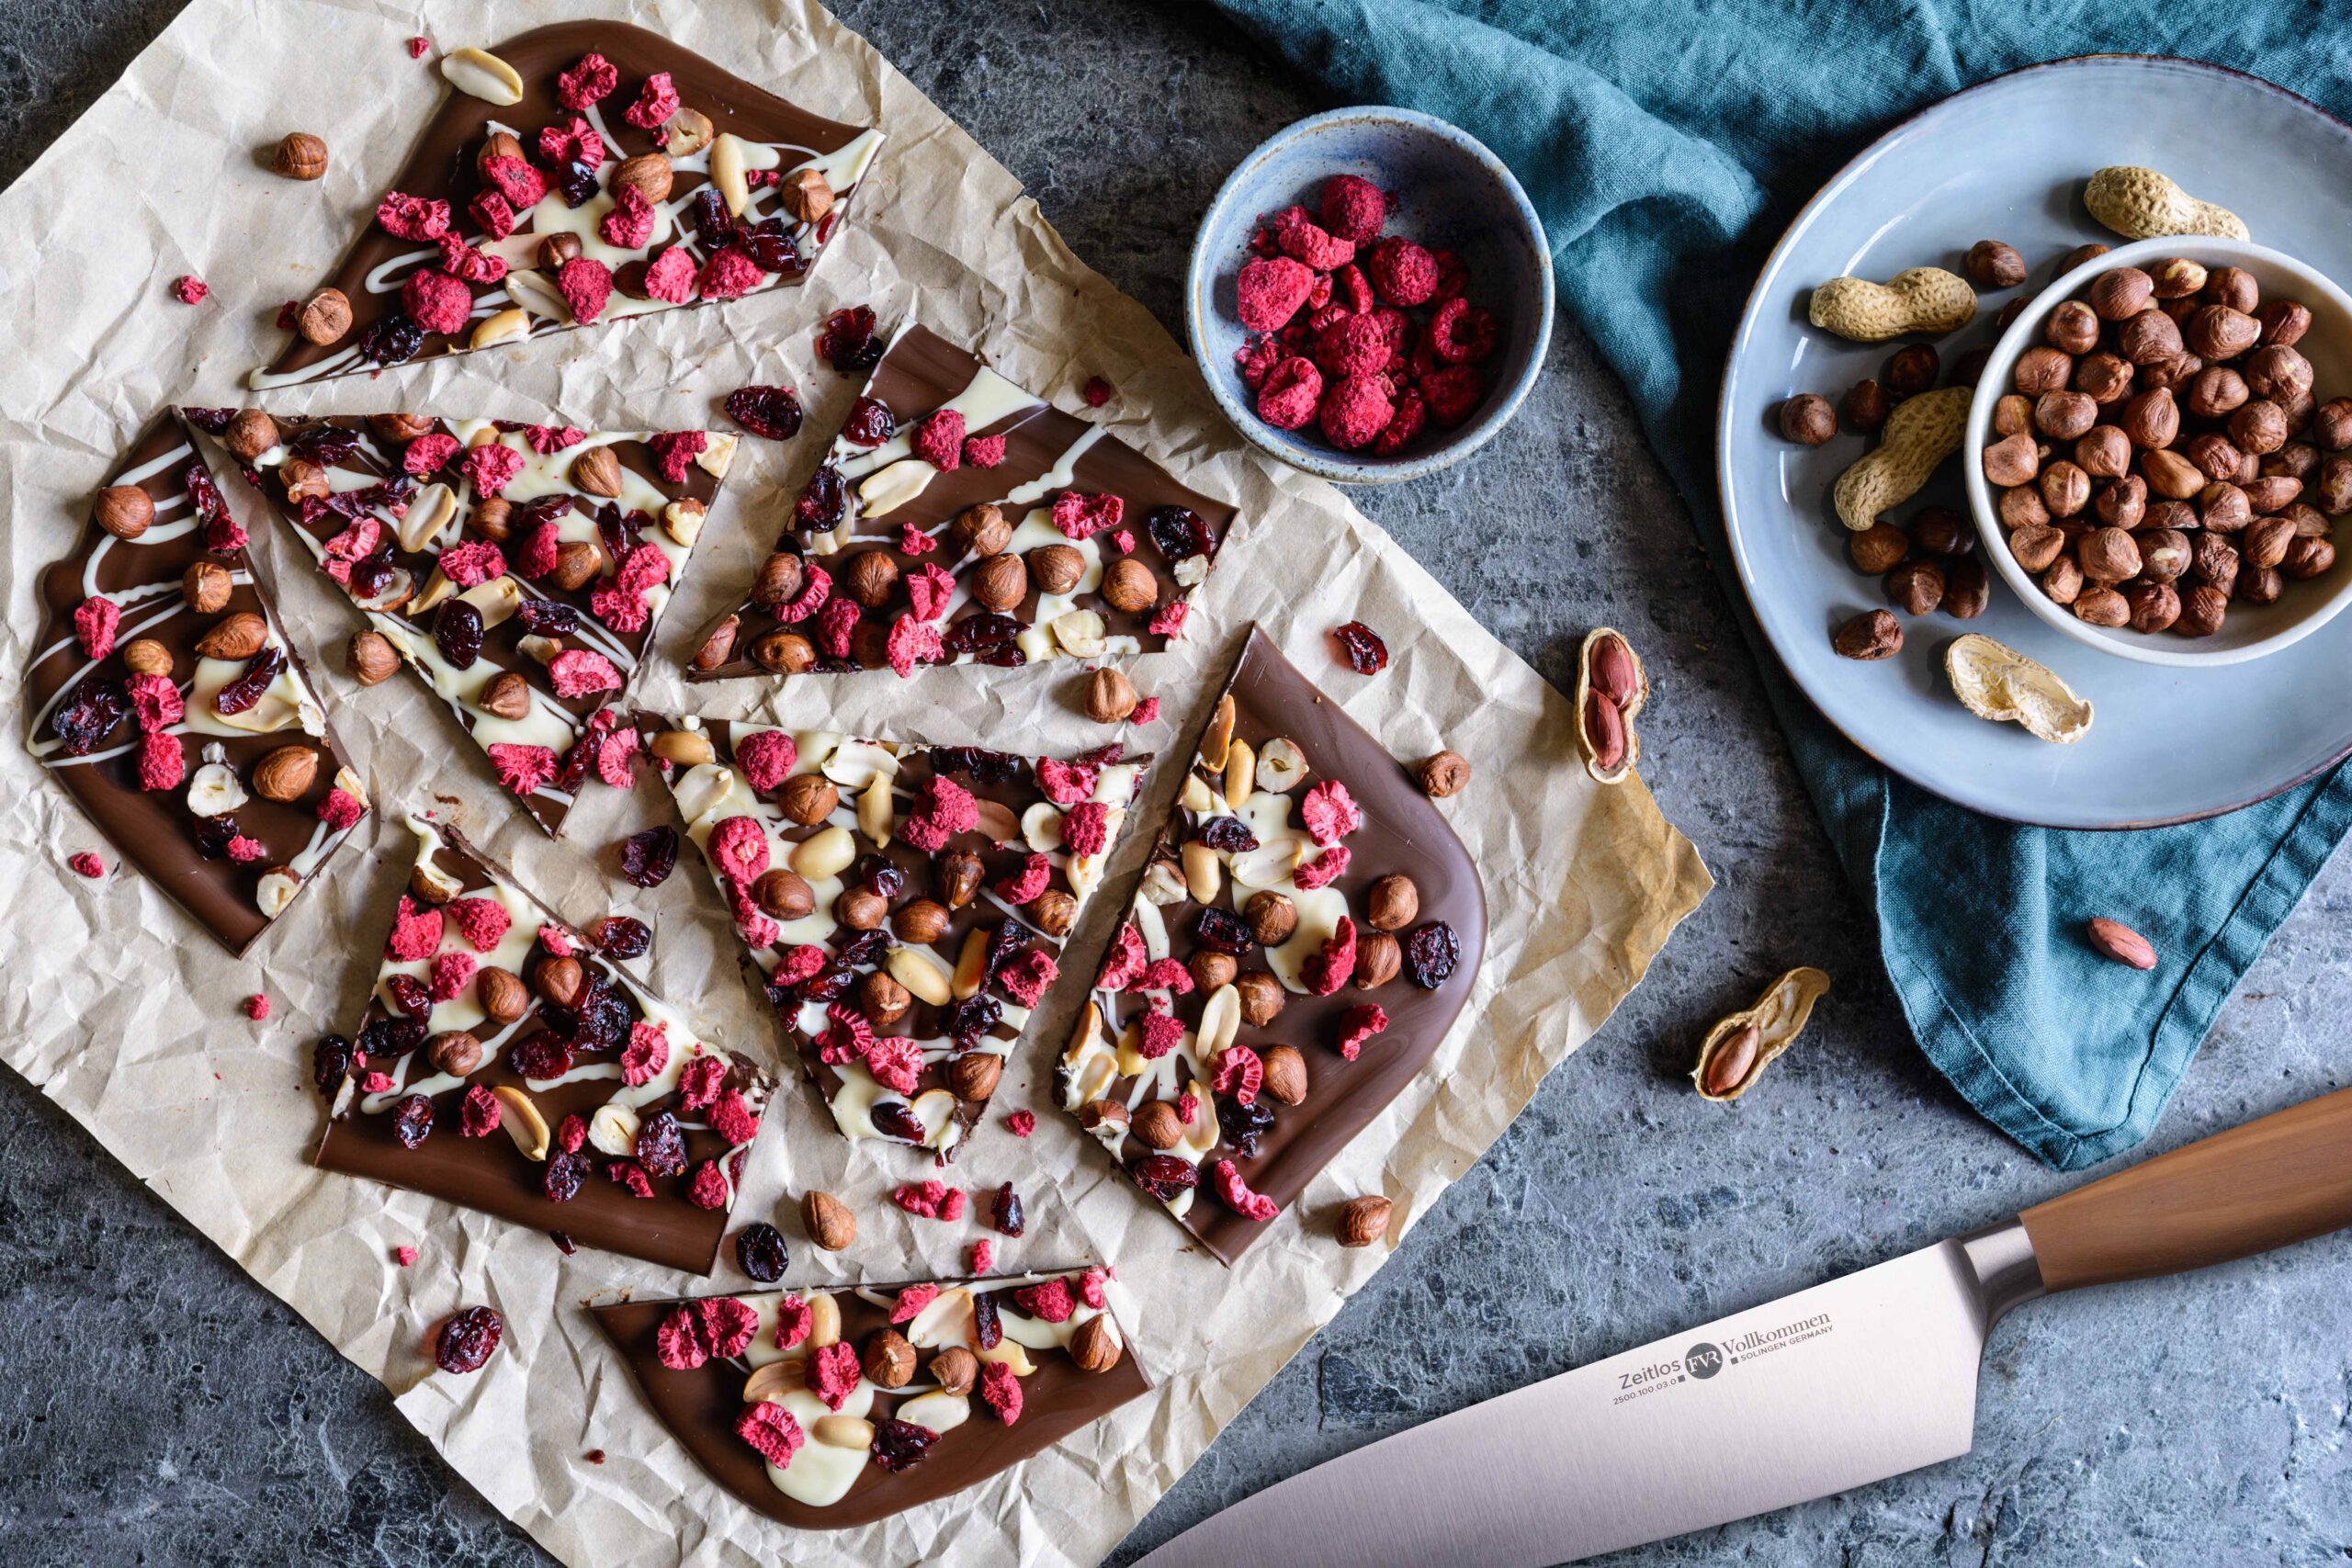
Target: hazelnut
[[2063, 416], [1156, 1124], [2259, 427], [2079, 255], [1054, 911], [1916, 587], [960, 871], [2201, 612], [240, 636], [718, 646], [779, 579], [1096, 1346], [2035, 547], [2214, 455], [1967, 589], [2110, 554], [2154, 607], [982, 529], [2150, 336], [1263, 998], [882, 998], [1001, 582], [2122, 503], [2214, 392], [508, 696], [1097, 1115], [2013, 460], [2042, 369], [2332, 487], [2066, 489], [300, 157], [1807, 419], [286, 774], [2216, 332], [1110, 695], [1057, 569], [2177, 279], [2171, 475], [400, 428], [2264, 543], [2163, 555], [1912, 369], [325, 317], [2021, 507], [1992, 264], [2278, 372], [861, 908], [2170, 372], [1864, 408], [1378, 957], [1443, 774], [2120, 293], [954, 1370], [1128, 585], [1874, 634], [2104, 452], [805, 195], [922, 922], [783, 653], [498, 145], [501, 994], [2271, 495], [890, 1360], [456, 1052], [869, 577], [1271, 916], [2332, 423], [558, 249], [1392, 903], [2284, 321], [783, 894], [206, 587], [1285, 1076], [2073, 328], [2012, 413], [576, 562], [492, 519], [809, 798], [2104, 377], [1362, 1221], [302, 480], [125, 511], [1211, 970], [2307, 558], [1878, 548], [598, 471], [427, 884], [831, 1224], [648, 172], [2102, 606], [2063, 583], [2215, 560], [2260, 584], [2224, 508], [974, 1075], [145, 656]]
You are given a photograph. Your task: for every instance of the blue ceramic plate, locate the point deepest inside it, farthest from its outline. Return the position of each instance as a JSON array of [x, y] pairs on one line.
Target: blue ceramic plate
[[2006, 161], [1450, 192]]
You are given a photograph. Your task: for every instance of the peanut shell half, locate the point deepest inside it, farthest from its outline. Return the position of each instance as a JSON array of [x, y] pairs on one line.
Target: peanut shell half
[[1760, 1033]]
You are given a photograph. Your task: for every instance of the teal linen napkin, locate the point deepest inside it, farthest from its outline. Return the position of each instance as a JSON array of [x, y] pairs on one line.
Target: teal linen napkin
[[1666, 145]]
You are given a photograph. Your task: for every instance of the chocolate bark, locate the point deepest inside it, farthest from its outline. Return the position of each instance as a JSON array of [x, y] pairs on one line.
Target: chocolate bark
[[596, 1046], [902, 962], [702, 1404], [846, 595], [235, 870], [1262, 843], [566, 566], [768, 139]]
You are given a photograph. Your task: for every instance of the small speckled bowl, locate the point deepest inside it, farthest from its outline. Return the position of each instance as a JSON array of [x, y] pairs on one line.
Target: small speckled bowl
[[1450, 192]]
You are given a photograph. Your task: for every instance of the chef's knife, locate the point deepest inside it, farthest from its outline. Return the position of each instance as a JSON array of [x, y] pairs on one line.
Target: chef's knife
[[1821, 1392]]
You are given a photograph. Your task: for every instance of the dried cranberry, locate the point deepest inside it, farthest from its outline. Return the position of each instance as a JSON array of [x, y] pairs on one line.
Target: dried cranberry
[[988, 1327], [330, 1062], [1225, 833], [1009, 938], [1222, 931], [457, 632], [1367, 654], [324, 442], [901, 1445], [388, 1039], [1164, 1175], [772, 249], [562, 1240], [537, 513], [647, 858], [1430, 953], [976, 763], [547, 618], [602, 1017], [822, 503], [393, 340], [370, 573], [246, 690], [1178, 532], [848, 341], [409, 995], [412, 1120], [713, 224], [662, 1145], [88, 715], [879, 874], [893, 1119], [1243, 1125], [577, 181], [540, 1055], [981, 635], [619, 936], [1005, 1211], [567, 1168], [213, 834], [759, 1247], [467, 1339], [870, 422], [864, 950], [972, 1020], [212, 422], [203, 495], [771, 411]]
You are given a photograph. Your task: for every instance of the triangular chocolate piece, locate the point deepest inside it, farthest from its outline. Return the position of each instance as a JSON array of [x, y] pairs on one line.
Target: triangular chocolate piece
[[578, 173], [166, 700], [1302, 940], [959, 519], [975, 1376], [520, 570], [904, 904], [505, 1064]]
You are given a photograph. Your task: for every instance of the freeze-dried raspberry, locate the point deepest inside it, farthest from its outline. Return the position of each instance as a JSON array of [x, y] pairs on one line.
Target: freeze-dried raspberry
[[341, 810], [1324, 869], [1098, 391], [765, 758], [1080, 516], [572, 142], [623, 609], [1335, 964], [848, 1036], [1157, 1034], [1355, 345], [671, 276], [914, 541], [419, 46], [1354, 291], [1090, 1288], [493, 212], [1403, 272], [1166, 974], [983, 1257], [1452, 275], [1328, 812], [576, 672], [1146, 711], [522, 185], [1037, 875], [1255, 358], [244, 850], [428, 452], [558, 940], [1021, 1123], [1066, 784], [738, 846], [793, 1321], [800, 964], [1270, 291], [1359, 1025], [674, 452], [931, 590], [733, 1118], [592, 79], [1290, 394], [647, 1052], [833, 1373], [729, 275], [1412, 415], [1126, 961], [1049, 1300], [645, 566], [472, 562], [258, 1007], [521, 768], [1027, 977], [815, 594], [491, 466], [461, 260], [910, 643], [416, 932], [96, 621], [1239, 1072], [403, 1255], [479, 1113], [656, 102], [483, 922], [1227, 1178], [87, 864], [376, 1083], [549, 439], [707, 1188], [356, 542], [1356, 410], [1459, 334], [571, 1134], [699, 1082], [630, 1177], [771, 1431], [155, 701], [452, 973], [895, 1061], [939, 439], [925, 1200], [629, 225], [984, 451], [540, 552], [613, 754], [943, 809], [1311, 244], [1000, 1391], [1453, 393], [410, 217], [585, 284], [912, 1300], [1086, 828], [1353, 207]]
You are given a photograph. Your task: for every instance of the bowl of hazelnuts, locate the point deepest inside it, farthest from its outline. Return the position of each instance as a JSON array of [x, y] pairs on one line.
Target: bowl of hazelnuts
[[2159, 445]]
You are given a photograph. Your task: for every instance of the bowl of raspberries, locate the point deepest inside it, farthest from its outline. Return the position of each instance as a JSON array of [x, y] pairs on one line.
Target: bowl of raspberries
[[1370, 296]]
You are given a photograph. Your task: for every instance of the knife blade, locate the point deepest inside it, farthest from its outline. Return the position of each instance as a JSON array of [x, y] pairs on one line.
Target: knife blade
[[1821, 1392]]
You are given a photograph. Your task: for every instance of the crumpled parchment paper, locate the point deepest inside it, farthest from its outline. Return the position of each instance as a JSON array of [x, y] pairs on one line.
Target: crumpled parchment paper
[[127, 1015]]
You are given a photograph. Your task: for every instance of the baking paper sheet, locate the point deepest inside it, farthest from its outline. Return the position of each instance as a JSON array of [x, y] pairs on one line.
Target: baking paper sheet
[[128, 1016]]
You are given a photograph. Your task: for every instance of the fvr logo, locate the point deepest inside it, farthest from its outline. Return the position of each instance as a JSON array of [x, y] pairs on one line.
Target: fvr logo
[[1703, 1360]]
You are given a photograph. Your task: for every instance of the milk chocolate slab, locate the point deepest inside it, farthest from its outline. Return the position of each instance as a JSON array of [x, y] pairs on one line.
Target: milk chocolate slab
[[837, 1475], [743, 147], [903, 905], [889, 559], [484, 550], [1190, 1002], [229, 840], [614, 1123]]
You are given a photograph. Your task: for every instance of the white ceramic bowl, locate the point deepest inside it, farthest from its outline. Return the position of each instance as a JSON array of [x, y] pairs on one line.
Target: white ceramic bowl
[[2249, 631]]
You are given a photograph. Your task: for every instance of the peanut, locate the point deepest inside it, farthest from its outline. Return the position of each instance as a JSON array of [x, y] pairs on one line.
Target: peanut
[[2141, 204], [1921, 299], [1920, 434]]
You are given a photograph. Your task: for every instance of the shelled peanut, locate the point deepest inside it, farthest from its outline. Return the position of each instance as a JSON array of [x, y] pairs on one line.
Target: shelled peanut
[[2160, 452]]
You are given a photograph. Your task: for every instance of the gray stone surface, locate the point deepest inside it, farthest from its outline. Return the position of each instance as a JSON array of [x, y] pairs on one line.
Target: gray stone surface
[[156, 1405]]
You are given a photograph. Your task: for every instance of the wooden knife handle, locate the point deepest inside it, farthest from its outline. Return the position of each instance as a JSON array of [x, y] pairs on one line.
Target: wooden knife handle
[[2284, 1178]]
